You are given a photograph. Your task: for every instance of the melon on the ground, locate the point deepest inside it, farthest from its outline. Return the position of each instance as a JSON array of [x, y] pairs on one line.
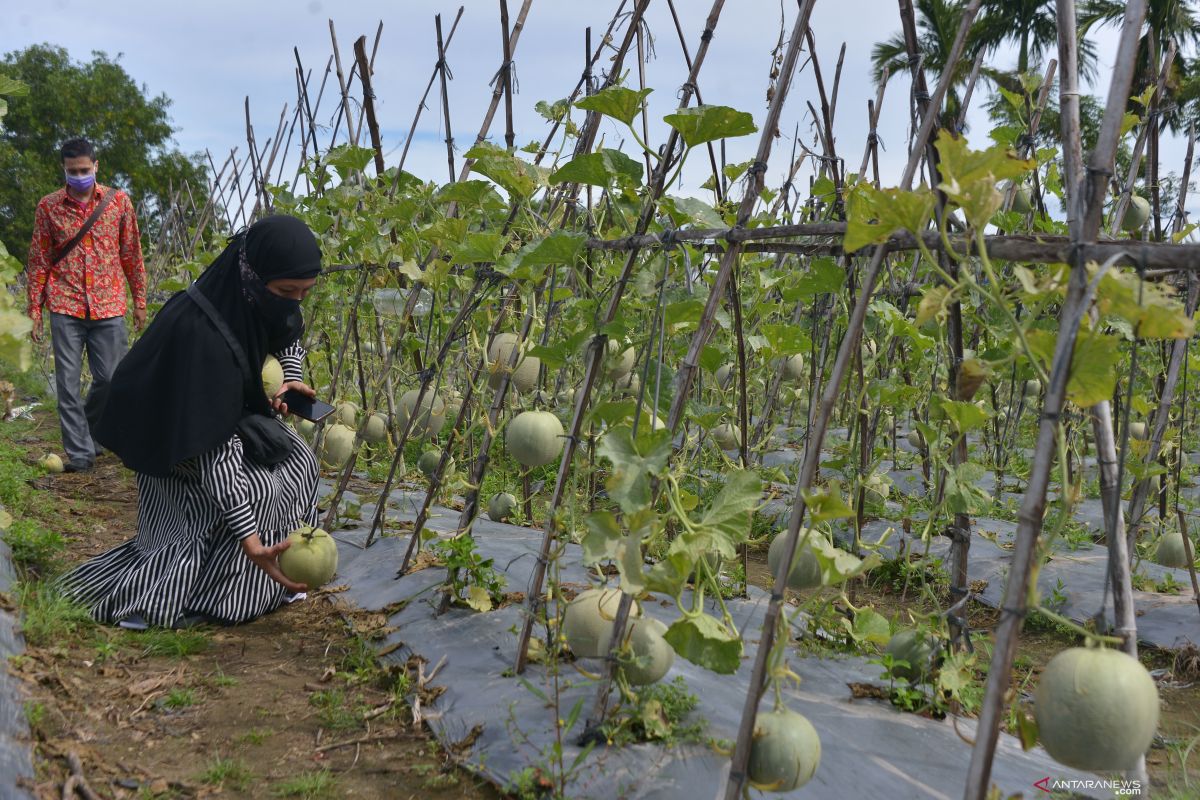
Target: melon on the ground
[[51, 462], [337, 446], [524, 375], [806, 570], [785, 751], [375, 431], [312, 558], [429, 420], [652, 657], [588, 621], [501, 506], [1170, 551], [272, 375], [916, 650], [1096, 709], [534, 438]]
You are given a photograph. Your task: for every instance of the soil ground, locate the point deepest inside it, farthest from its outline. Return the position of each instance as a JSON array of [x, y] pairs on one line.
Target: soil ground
[[292, 705]]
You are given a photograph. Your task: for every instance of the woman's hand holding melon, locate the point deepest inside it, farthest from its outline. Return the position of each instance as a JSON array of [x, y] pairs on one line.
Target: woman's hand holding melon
[[300, 386], [267, 559]]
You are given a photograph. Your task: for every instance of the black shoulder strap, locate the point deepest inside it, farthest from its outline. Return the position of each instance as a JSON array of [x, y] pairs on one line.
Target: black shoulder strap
[[239, 354], [83, 229]]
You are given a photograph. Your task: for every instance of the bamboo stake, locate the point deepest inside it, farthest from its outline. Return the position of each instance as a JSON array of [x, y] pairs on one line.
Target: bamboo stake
[[443, 78], [1016, 593], [364, 76]]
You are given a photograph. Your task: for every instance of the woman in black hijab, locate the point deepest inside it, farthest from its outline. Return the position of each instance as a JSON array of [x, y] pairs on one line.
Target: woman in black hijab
[[221, 481]]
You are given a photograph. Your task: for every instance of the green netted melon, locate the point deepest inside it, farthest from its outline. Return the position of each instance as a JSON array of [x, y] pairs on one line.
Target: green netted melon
[[1033, 387], [347, 414], [785, 751], [51, 462], [376, 430], [524, 375], [501, 506], [916, 650], [312, 558], [429, 420], [1096, 709], [588, 621], [272, 376], [652, 657], [306, 428], [337, 447], [724, 375], [727, 436], [619, 361], [1170, 551], [428, 462], [806, 570], [534, 438], [1137, 214], [795, 367]]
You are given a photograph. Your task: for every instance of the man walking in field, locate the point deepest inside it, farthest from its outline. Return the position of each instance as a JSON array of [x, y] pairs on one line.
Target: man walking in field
[[85, 250]]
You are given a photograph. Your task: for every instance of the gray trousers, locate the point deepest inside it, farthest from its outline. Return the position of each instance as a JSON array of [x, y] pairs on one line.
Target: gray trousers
[[105, 341]]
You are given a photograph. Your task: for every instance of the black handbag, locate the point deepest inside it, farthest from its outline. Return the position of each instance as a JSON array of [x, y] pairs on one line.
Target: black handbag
[[265, 440]]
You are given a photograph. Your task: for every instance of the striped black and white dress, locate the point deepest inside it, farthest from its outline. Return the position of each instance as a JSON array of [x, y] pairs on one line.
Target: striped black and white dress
[[186, 559]]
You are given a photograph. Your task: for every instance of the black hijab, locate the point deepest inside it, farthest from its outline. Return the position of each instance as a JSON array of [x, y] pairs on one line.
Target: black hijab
[[180, 392]]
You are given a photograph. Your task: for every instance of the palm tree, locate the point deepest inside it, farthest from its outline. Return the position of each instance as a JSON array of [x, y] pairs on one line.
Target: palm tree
[[938, 22], [1165, 20], [1033, 27]]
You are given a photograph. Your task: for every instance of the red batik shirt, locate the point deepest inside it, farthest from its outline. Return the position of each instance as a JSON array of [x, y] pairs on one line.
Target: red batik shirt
[[89, 283]]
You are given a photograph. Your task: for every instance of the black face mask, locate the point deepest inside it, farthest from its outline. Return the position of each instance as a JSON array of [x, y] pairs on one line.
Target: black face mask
[[280, 316]]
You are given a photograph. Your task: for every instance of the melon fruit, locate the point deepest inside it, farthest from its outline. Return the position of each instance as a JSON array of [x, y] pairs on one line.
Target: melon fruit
[[914, 439], [588, 621], [1023, 199], [652, 657], [806, 570], [306, 428], [916, 650], [429, 420], [727, 436], [785, 751], [724, 375], [51, 462], [1170, 551], [1137, 213], [628, 385], [1137, 430], [272, 375], [619, 362], [795, 367], [375, 431], [428, 462], [346, 413], [534, 438], [524, 375], [501, 507], [337, 447], [1096, 709], [1033, 387], [312, 558]]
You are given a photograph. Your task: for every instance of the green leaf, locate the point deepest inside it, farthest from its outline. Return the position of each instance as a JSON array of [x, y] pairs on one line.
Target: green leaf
[[875, 214], [826, 503], [633, 463], [933, 304], [560, 247], [478, 598], [965, 416], [960, 165], [1149, 307], [709, 123], [703, 640], [601, 537], [617, 102], [786, 339], [13, 87], [1093, 365], [690, 209], [868, 626], [629, 564], [471, 193], [348, 159], [515, 176], [598, 169], [485, 247], [823, 276]]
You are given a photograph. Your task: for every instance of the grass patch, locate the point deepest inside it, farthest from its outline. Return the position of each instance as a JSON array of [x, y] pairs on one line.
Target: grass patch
[[48, 616], [172, 643], [254, 736], [180, 697], [315, 785], [35, 550], [334, 711], [227, 773]]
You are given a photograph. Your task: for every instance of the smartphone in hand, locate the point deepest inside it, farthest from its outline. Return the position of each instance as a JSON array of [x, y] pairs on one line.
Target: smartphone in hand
[[306, 407]]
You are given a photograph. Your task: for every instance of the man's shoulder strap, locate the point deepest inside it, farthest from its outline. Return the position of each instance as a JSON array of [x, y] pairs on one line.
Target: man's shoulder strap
[[85, 227]]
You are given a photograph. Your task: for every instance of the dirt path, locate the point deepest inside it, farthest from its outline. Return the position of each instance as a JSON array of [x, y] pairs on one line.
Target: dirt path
[[292, 705]]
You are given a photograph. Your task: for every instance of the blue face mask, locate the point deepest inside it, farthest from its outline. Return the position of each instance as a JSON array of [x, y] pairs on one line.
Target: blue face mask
[[81, 183]]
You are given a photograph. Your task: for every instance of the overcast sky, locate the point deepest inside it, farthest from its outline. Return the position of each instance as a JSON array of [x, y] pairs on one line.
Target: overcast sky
[[207, 57]]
